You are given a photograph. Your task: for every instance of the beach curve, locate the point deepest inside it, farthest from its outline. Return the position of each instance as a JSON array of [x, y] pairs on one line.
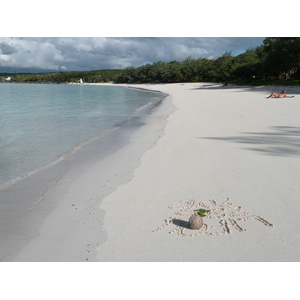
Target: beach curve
[[223, 148]]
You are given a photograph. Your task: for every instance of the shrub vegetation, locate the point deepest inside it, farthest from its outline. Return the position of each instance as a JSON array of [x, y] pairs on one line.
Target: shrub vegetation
[[276, 61]]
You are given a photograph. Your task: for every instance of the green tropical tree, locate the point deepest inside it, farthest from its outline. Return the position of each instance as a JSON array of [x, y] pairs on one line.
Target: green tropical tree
[[172, 72], [282, 56]]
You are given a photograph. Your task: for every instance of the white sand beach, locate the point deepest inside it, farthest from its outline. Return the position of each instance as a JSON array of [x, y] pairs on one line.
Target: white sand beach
[[220, 143], [226, 149]]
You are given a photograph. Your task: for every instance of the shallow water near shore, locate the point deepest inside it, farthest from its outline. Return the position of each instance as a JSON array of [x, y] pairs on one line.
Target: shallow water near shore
[[27, 201], [41, 123]]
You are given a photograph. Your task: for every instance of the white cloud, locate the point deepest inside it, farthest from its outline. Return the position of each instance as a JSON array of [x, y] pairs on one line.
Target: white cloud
[[74, 54]]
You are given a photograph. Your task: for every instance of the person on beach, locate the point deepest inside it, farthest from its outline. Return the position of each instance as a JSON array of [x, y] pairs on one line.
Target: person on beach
[[282, 94]]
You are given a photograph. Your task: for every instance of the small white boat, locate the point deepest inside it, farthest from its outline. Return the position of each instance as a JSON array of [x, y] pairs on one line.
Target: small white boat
[[81, 81]]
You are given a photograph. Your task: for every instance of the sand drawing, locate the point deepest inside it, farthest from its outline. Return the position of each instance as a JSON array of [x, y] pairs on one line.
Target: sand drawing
[[222, 217]]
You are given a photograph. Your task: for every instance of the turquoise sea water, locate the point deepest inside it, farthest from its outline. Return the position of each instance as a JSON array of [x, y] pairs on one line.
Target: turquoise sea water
[[40, 123]]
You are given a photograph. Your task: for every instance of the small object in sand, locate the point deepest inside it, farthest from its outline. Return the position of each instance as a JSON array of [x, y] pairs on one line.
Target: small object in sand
[[202, 212], [195, 221]]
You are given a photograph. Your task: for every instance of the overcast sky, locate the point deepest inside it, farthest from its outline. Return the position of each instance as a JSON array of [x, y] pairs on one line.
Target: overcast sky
[[40, 54]]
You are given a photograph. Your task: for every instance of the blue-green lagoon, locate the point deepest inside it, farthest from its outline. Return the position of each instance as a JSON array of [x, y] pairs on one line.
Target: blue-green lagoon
[[41, 123]]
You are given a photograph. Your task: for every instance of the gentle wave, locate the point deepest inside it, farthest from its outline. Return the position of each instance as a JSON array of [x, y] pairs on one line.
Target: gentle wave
[[80, 146]]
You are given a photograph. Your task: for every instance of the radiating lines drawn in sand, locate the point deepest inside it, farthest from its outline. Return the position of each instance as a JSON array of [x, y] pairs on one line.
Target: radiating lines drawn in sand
[[222, 216]]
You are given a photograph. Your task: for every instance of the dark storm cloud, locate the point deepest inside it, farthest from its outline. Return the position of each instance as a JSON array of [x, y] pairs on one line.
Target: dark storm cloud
[[7, 49], [92, 53]]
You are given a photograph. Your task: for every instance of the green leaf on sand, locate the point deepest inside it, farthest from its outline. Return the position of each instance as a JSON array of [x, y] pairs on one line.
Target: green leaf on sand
[[202, 212]]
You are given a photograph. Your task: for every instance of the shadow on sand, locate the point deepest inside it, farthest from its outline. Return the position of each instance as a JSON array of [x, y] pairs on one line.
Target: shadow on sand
[[281, 141], [181, 223], [291, 90]]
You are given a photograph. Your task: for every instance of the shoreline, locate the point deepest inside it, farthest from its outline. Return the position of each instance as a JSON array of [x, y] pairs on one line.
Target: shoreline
[[63, 200], [223, 148]]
